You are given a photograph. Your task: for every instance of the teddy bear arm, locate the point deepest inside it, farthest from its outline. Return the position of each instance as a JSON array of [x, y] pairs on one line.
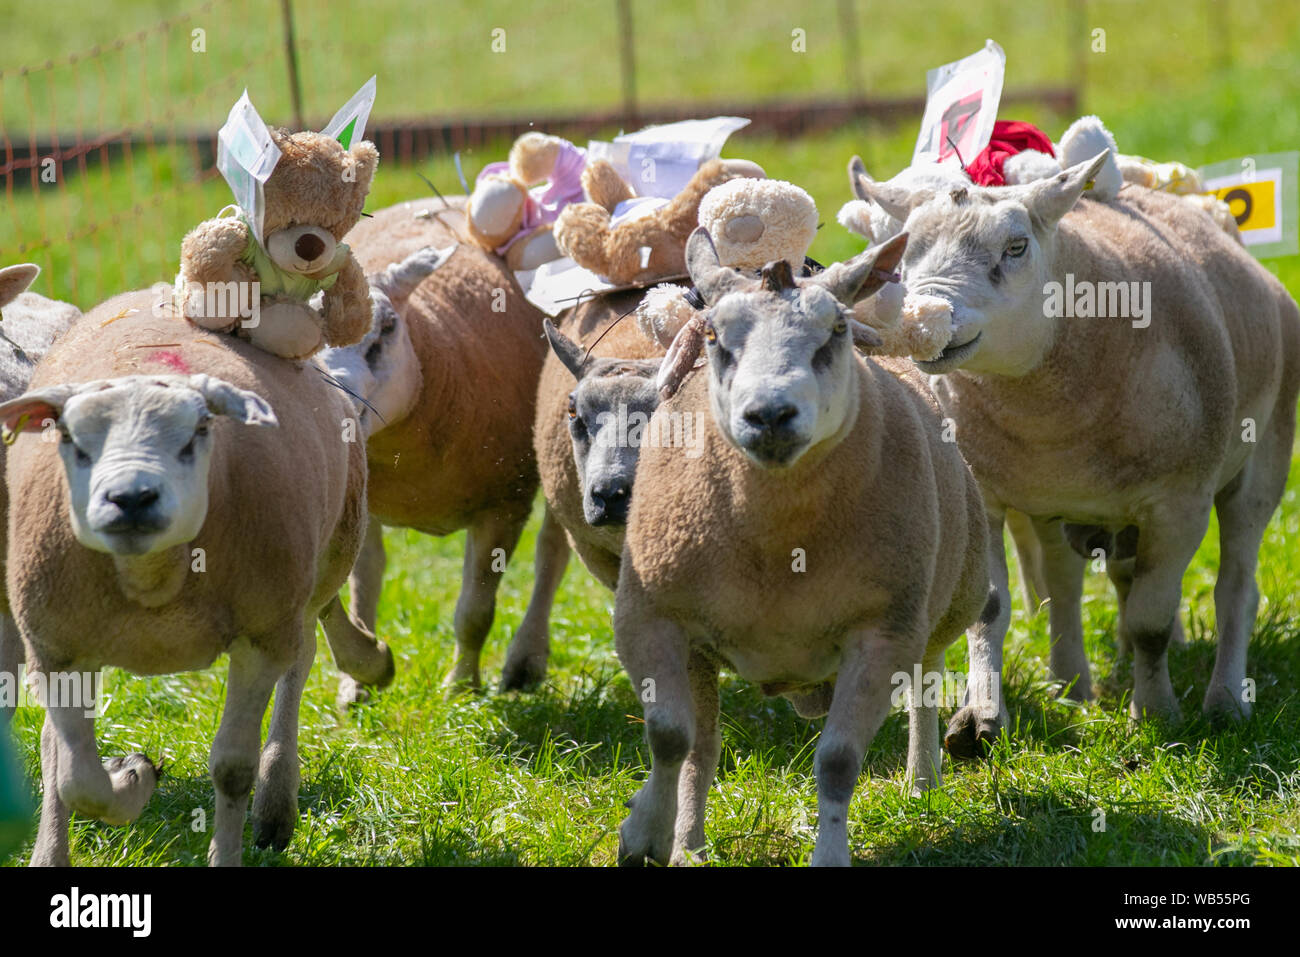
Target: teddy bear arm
[[211, 250], [347, 306]]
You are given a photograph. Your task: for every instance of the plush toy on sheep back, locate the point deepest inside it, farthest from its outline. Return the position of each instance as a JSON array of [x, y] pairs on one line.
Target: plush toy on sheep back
[[752, 222], [638, 248], [312, 197], [505, 217]]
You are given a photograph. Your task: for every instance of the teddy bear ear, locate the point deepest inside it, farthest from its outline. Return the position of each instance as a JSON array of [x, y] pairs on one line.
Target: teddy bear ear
[[364, 161]]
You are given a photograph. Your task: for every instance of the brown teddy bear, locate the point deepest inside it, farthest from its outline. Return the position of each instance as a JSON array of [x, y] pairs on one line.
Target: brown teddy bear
[[648, 243], [313, 196], [507, 216]]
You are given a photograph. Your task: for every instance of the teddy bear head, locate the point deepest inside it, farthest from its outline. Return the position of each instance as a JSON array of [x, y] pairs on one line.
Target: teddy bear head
[[757, 221], [313, 197]]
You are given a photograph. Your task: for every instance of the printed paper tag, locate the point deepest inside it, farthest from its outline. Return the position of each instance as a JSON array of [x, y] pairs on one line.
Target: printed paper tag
[[246, 155], [961, 106], [349, 124], [660, 160]]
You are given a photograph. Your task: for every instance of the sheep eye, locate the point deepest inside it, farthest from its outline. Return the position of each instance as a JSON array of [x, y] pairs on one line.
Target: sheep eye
[[1017, 247], [573, 408], [710, 334], [840, 328], [201, 429], [387, 326]]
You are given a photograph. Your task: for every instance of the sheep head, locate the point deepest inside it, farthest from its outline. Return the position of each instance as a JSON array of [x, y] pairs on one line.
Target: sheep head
[[383, 369], [135, 452], [782, 371], [608, 410], [988, 251]]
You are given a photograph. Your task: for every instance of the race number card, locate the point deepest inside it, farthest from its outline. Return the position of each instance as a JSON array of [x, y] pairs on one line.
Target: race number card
[[1261, 192], [961, 106]]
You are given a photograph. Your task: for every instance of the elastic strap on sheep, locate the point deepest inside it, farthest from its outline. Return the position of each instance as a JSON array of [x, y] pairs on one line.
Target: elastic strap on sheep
[[9, 436]]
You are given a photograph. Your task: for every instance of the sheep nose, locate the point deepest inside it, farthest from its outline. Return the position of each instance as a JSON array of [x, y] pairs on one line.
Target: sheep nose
[[770, 416], [610, 502], [309, 246], [134, 501]]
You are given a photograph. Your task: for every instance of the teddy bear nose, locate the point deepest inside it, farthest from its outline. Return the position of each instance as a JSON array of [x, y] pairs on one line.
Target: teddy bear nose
[[309, 246]]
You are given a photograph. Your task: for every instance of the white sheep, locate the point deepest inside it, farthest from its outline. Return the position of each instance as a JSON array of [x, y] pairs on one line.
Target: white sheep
[[158, 519], [1117, 370], [29, 324], [825, 541], [450, 366]]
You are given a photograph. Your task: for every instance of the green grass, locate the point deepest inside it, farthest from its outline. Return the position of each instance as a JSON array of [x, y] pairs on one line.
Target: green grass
[[412, 777]]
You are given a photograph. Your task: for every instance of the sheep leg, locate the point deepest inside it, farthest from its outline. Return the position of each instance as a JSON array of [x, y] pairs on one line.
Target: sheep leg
[[531, 647], [924, 748], [114, 791], [977, 724], [52, 836], [860, 705], [1063, 572], [1244, 508], [275, 801], [1166, 543], [11, 662], [234, 758], [1120, 573], [360, 656], [488, 546], [701, 763], [654, 654]]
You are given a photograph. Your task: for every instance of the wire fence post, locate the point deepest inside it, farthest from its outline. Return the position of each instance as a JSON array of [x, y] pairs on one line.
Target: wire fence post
[[852, 51], [627, 56], [1077, 36], [291, 58]]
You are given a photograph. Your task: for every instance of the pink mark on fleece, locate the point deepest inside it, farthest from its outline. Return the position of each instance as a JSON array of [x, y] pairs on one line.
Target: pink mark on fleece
[[173, 360]]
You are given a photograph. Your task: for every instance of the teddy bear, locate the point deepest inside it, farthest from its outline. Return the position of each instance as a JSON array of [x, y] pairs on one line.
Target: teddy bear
[[632, 240], [313, 196], [752, 222], [508, 216]]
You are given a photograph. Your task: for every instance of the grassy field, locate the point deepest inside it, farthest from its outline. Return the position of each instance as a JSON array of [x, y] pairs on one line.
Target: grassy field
[[413, 777]]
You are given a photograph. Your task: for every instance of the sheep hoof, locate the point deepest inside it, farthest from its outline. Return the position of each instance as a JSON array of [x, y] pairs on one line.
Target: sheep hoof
[[459, 683], [1222, 708], [645, 836], [970, 735], [523, 675], [134, 780], [275, 831]]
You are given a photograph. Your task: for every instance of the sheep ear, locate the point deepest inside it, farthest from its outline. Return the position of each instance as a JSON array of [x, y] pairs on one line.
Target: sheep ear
[[857, 278], [1049, 199], [680, 360], [399, 280], [565, 349], [712, 279], [30, 411], [14, 281], [858, 175], [222, 398], [897, 201]]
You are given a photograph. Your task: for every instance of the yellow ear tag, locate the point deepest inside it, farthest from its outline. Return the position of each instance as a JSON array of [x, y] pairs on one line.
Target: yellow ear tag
[[1089, 184], [10, 436]]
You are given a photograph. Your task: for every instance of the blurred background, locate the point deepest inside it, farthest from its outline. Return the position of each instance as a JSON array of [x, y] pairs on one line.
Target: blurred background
[[109, 111]]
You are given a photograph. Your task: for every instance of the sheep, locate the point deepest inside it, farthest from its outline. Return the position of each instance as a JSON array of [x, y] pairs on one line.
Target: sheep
[[30, 323], [451, 366], [1123, 430], [587, 469], [187, 495], [811, 458]]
